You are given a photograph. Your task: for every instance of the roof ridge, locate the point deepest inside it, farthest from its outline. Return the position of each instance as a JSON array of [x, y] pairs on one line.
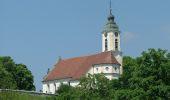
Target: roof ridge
[[84, 56]]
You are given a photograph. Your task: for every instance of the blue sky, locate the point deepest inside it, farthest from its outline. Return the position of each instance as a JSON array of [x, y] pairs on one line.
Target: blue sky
[[37, 32]]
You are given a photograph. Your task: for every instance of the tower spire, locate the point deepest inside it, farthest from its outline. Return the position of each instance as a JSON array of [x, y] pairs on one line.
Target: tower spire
[[110, 17], [110, 7]]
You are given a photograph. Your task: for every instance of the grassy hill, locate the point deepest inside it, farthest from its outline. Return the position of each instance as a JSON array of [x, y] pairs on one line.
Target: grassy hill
[[8, 95]]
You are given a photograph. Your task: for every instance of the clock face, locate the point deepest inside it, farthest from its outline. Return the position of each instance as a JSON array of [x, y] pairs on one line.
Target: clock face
[[116, 34], [105, 34]]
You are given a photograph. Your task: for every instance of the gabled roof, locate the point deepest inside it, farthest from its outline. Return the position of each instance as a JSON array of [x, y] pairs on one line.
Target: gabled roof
[[75, 68]]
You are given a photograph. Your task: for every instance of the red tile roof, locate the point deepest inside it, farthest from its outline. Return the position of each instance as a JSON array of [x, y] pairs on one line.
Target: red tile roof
[[75, 68]]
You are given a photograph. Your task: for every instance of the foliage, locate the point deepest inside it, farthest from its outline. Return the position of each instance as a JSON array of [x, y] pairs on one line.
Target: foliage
[[145, 77], [9, 95], [67, 92], [24, 78], [15, 76], [6, 80]]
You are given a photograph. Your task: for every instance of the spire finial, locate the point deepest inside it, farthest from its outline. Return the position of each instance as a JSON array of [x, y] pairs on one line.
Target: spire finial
[[110, 7], [110, 17]]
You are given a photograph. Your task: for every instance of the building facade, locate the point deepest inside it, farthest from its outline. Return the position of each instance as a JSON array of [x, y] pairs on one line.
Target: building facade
[[108, 62]]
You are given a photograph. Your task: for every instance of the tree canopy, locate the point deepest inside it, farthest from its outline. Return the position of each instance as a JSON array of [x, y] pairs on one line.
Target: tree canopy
[[144, 77], [15, 76]]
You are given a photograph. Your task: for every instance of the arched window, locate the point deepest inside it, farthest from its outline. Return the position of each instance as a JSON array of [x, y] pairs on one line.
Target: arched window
[[105, 34], [106, 48], [107, 68], [48, 88], [115, 68], [69, 83], [97, 69], [55, 87], [116, 44], [116, 34]]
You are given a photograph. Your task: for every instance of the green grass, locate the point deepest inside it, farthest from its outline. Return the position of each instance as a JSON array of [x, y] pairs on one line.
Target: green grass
[[8, 95]]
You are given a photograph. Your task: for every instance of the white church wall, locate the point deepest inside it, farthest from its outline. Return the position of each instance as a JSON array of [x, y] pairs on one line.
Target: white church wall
[[57, 84], [48, 87], [116, 69], [52, 86], [74, 83], [45, 89], [116, 76], [108, 69], [109, 76], [112, 76], [97, 69]]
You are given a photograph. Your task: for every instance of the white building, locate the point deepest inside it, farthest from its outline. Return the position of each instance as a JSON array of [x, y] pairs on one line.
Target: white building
[[108, 62]]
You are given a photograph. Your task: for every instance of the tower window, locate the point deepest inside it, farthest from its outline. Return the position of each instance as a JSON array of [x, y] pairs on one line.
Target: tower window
[[116, 44], [116, 34], [106, 45], [105, 34]]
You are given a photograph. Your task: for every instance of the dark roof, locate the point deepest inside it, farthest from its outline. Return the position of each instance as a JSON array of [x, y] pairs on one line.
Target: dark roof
[[74, 68]]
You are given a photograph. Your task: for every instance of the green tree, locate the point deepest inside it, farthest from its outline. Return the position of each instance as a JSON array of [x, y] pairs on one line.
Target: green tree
[[24, 78], [129, 66], [67, 92], [6, 80], [95, 86], [152, 74], [8, 63], [15, 76], [7, 70]]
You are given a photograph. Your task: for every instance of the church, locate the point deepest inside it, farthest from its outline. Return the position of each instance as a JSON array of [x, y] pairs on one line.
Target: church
[[109, 61]]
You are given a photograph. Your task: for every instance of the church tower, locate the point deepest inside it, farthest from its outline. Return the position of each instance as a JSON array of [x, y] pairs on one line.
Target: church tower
[[111, 38]]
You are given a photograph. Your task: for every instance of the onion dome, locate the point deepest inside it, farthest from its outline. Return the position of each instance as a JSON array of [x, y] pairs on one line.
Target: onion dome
[[111, 25]]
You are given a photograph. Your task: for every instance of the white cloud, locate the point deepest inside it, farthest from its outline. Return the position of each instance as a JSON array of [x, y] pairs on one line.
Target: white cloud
[[127, 36]]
